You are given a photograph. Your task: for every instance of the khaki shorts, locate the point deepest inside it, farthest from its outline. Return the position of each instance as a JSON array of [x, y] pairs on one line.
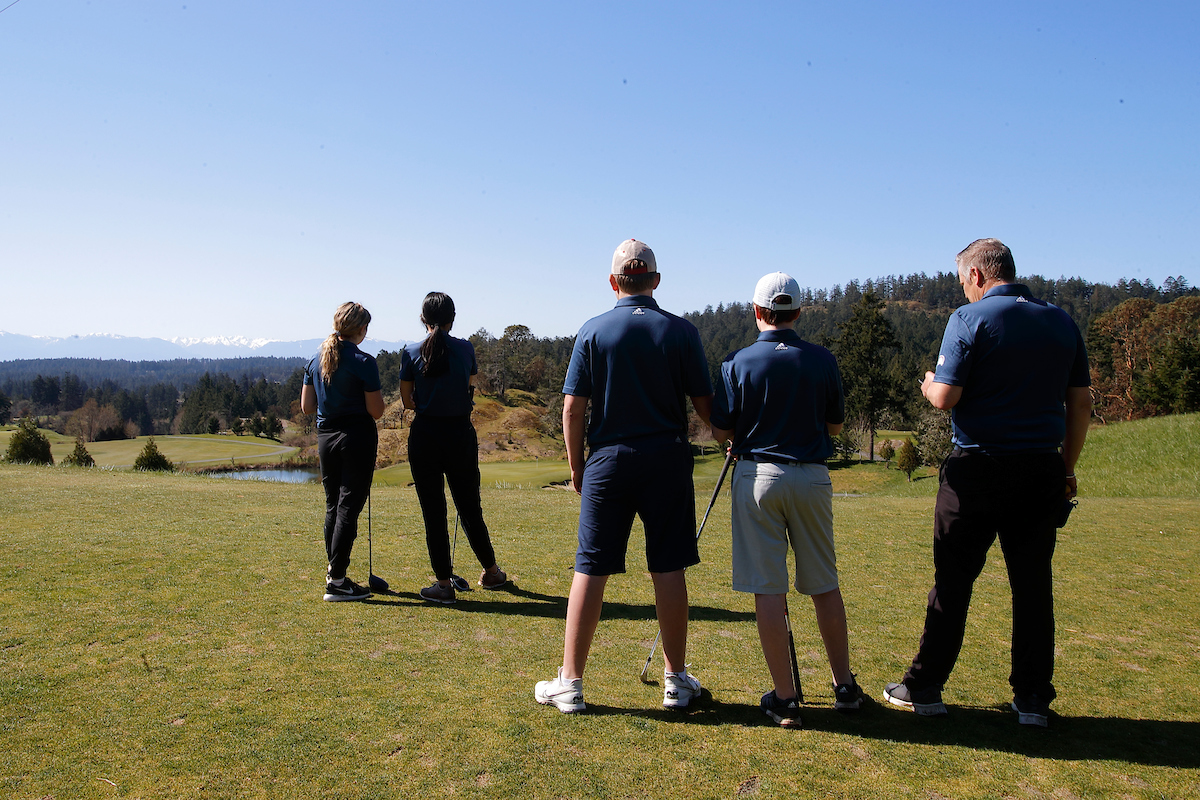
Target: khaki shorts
[[774, 504]]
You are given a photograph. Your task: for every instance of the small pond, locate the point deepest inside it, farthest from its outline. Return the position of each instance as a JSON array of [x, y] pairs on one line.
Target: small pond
[[276, 475]]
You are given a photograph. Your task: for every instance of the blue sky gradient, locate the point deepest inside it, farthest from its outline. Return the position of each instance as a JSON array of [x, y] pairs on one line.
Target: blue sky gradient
[[188, 169]]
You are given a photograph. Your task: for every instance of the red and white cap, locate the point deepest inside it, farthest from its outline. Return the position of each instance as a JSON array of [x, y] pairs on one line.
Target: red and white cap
[[633, 258]]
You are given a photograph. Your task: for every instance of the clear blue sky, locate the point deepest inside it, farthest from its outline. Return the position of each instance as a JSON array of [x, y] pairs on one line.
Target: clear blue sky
[[206, 168]]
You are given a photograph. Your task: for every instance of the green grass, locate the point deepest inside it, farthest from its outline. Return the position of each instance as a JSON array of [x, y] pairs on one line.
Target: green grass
[[196, 450], [165, 633], [1157, 457]]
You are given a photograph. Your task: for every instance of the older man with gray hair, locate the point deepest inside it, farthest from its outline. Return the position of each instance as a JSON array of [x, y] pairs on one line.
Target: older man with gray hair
[[1014, 372]]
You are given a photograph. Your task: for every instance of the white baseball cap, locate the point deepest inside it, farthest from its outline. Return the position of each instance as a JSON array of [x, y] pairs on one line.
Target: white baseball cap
[[777, 292]]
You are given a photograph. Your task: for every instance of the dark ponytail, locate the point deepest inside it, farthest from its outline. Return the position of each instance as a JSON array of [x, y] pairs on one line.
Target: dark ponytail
[[437, 312]]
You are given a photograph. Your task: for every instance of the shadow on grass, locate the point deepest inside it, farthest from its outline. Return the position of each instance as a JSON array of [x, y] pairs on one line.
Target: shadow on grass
[[1165, 743], [535, 604]]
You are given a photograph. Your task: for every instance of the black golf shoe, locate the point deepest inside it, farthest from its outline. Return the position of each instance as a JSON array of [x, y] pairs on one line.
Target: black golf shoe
[[347, 591]]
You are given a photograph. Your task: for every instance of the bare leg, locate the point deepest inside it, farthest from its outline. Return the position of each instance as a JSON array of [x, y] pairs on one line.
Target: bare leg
[[772, 633], [671, 606], [831, 621], [583, 616]]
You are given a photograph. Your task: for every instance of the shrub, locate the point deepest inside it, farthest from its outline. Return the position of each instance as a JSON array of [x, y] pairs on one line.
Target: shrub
[[152, 459], [886, 450], [28, 445], [934, 436], [907, 460], [79, 457]]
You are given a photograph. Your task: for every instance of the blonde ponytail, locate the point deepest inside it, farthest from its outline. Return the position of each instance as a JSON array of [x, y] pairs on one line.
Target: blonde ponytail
[[347, 320]]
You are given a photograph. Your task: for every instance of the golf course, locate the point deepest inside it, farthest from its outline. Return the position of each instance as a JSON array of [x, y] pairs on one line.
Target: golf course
[[163, 636]]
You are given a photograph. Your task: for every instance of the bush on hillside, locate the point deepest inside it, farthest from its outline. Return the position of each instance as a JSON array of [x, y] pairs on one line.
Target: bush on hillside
[[28, 445], [79, 457], [151, 459], [887, 451]]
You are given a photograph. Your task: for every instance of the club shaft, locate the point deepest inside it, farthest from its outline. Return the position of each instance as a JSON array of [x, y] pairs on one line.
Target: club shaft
[[787, 621]]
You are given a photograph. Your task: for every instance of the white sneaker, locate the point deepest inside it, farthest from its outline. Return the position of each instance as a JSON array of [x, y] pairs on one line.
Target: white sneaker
[[679, 689], [566, 696]]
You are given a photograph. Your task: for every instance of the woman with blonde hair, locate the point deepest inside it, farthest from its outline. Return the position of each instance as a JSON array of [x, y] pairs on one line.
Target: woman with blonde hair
[[341, 384], [436, 380]]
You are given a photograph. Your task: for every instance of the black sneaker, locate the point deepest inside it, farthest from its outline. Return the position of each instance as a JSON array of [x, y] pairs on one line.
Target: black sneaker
[[926, 702], [784, 712], [349, 590], [1031, 710], [848, 697]]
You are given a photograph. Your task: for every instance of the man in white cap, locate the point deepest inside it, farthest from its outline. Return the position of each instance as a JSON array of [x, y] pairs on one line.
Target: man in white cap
[[780, 401], [637, 365]]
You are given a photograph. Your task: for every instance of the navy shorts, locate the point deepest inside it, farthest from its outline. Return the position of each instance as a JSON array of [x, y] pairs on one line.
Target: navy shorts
[[653, 481]]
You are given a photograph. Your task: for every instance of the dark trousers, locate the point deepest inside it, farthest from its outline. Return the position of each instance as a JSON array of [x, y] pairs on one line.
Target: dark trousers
[[446, 448], [347, 455], [980, 497]]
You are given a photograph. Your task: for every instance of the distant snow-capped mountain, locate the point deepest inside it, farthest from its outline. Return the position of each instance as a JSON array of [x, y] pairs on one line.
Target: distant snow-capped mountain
[[15, 346]]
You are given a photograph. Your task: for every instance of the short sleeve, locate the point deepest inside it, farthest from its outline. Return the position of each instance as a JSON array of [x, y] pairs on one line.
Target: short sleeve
[[954, 359], [408, 371], [697, 381], [579, 378], [725, 406]]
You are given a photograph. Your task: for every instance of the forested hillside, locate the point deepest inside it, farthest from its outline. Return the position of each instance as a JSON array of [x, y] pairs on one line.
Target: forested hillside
[[1144, 342]]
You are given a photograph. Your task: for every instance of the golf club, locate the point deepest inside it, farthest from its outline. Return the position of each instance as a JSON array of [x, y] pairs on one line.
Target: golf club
[[374, 582], [459, 582], [711, 503], [787, 620]]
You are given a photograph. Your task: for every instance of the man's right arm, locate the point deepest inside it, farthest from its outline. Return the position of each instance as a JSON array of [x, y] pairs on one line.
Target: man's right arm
[[574, 422], [940, 395], [1079, 416]]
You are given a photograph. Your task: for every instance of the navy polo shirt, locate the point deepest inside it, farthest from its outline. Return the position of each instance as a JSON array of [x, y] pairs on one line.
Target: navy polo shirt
[[1014, 357], [445, 395], [777, 395], [345, 394], [637, 363]]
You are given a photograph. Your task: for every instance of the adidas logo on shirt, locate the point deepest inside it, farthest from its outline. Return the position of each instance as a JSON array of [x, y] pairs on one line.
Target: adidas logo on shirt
[[638, 311], [781, 346]]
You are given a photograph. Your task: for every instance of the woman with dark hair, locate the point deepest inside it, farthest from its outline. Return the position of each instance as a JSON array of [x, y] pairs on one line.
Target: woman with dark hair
[[341, 384], [436, 381]]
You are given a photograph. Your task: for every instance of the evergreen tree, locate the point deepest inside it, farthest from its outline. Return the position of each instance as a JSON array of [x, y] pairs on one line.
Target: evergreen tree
[[5, 408], [864, 350], [887, 451], [79, 457], [28, 445], [907, 459], [151, 459]]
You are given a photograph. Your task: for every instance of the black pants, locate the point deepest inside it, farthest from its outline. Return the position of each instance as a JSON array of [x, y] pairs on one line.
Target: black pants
[[446, 447], [347, 454], [980, 497]]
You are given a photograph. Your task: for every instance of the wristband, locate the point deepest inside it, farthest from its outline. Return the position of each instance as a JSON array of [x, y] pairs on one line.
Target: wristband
[[1072, 475]]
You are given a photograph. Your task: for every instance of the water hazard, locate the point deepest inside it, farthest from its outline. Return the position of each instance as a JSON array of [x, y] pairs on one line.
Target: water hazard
[[273, 475]]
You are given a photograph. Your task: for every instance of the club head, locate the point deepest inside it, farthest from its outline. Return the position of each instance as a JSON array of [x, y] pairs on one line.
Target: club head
[[377, 584], [460, 583]]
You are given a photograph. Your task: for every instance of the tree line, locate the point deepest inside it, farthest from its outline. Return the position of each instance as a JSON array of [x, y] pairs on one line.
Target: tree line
[[1143, 341]]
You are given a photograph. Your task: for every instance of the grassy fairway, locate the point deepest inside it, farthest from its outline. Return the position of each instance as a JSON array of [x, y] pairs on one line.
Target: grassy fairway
[[197, 450], [163, 636]]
